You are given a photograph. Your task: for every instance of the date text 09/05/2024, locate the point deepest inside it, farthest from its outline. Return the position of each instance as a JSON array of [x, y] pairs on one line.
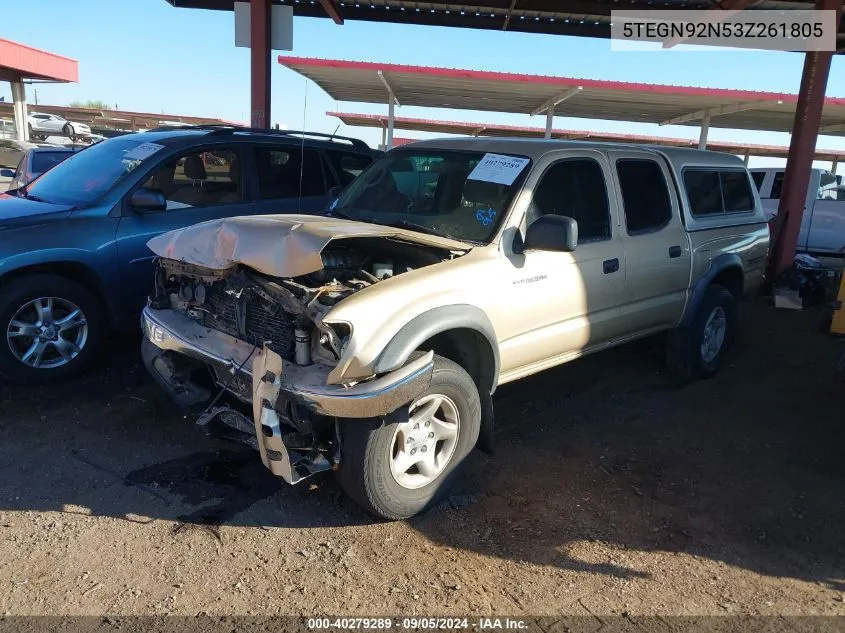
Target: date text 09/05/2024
[[417, 624]]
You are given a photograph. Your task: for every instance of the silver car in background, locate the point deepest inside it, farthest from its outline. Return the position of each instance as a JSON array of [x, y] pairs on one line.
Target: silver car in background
[[823, 225]]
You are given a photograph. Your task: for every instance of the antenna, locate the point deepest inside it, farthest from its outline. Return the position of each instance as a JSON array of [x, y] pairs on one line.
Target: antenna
[[302, 147], [331, 138]]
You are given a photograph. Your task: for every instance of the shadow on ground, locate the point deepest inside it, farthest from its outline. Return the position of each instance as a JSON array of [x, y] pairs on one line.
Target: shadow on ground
[[744, 469]]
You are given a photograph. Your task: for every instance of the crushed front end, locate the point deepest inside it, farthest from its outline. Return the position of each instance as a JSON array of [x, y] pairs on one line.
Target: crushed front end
[[254, 354]]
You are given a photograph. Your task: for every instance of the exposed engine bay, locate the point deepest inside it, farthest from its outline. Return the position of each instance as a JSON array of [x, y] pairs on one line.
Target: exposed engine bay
[[287, 314], [284, 317]]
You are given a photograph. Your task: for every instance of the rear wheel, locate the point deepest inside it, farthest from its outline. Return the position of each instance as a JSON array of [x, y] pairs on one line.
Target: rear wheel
[[697, 351], [51, 327], [398, 469]]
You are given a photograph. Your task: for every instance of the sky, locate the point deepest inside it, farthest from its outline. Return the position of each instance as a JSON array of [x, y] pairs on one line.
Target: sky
[[146, 55]]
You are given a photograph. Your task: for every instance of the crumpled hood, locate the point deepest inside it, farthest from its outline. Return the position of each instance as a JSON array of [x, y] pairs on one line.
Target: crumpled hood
[[276, 245]]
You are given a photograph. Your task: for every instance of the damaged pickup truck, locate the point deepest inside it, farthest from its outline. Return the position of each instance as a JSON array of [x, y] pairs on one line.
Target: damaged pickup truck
[[369, 340]]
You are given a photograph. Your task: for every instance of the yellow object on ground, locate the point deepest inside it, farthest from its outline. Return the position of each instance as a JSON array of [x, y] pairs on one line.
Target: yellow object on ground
[[837, 326]]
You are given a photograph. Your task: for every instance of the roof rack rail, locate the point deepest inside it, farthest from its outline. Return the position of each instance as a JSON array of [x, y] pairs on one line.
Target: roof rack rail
[[188, 126], [356, 142]]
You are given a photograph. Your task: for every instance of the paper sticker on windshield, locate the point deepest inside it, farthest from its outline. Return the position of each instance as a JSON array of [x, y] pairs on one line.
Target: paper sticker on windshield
[[144, 150], [498, 168]]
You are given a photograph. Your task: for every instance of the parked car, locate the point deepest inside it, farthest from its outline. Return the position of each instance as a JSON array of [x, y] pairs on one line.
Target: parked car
[[823, 223], [370, 342], [42, 125], [73, 253], [35, 161], [12, 151]]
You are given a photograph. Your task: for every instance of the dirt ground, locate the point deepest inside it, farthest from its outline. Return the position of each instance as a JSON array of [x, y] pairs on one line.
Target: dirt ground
[[615, 489]]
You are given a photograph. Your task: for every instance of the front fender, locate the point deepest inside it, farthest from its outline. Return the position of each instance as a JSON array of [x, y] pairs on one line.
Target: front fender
[[433, 322], [29, 259]]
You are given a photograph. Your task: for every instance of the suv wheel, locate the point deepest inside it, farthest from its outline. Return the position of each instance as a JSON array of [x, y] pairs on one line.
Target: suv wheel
[[50, 328], [398, 469], [698, 350]]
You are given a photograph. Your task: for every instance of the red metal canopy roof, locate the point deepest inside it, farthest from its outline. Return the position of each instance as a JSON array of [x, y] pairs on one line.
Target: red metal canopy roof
[[533, 94], [590, 18], [18, 61], [486, 129]]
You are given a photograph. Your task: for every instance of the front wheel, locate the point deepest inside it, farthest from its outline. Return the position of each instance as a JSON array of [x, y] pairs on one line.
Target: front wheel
[[50, 328], [400, 468]]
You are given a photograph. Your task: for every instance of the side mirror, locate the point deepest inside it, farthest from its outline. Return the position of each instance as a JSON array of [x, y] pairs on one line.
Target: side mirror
[[147, 201], [7, 173], [552, 233]]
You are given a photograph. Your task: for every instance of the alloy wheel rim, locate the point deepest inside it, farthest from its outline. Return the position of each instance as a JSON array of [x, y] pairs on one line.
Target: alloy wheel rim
[[715, 330], [47, 332], [423, 446]]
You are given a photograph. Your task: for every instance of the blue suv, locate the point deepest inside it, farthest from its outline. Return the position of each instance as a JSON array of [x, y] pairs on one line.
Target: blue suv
[[74, 260]]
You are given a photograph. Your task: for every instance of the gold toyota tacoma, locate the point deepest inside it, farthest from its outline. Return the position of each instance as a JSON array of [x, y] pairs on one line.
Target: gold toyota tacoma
[[369, 340]]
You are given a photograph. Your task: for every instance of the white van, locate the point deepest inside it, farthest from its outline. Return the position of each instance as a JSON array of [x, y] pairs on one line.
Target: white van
[[823, 225]]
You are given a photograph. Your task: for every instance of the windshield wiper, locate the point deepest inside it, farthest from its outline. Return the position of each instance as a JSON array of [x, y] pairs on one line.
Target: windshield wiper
[[332, 213], [23, 191], [413, 226]]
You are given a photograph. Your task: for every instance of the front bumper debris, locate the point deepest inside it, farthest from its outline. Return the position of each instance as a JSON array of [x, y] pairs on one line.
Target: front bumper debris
[[232, 361], [260, 377]]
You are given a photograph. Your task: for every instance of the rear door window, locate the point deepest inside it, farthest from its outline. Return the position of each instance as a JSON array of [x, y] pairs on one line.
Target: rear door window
[[759, 177], [645, 195], [288, 172]]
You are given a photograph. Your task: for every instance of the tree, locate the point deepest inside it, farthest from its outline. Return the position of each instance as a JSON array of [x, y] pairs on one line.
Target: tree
[[93, 104]]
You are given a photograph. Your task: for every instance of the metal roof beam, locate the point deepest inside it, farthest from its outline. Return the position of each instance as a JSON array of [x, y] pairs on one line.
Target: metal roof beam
[[554, 101], [508, 16], [392, 95], [477, 131], [716, 111], [332, 11]]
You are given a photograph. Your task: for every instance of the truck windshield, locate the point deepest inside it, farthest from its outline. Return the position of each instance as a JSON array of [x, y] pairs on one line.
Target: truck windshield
[[85, 176], [454, 194]]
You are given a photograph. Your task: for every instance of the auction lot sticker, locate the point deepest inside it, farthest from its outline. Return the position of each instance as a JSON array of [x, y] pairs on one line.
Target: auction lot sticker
[[498, 168]]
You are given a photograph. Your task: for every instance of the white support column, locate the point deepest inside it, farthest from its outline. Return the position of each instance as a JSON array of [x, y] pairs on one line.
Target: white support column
[[392, 101], [390, 121], [19, 98], [746, 157], [834, 165], [383, 137], [705, 127], [550, 119]]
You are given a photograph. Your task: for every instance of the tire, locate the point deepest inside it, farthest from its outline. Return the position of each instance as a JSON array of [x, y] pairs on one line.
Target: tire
[[685, 349], [67, 130], [31, 133], [368, 447], [63, 295]]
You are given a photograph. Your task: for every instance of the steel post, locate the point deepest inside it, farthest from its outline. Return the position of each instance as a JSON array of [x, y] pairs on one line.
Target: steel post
[[259, 56], [805, 130]]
